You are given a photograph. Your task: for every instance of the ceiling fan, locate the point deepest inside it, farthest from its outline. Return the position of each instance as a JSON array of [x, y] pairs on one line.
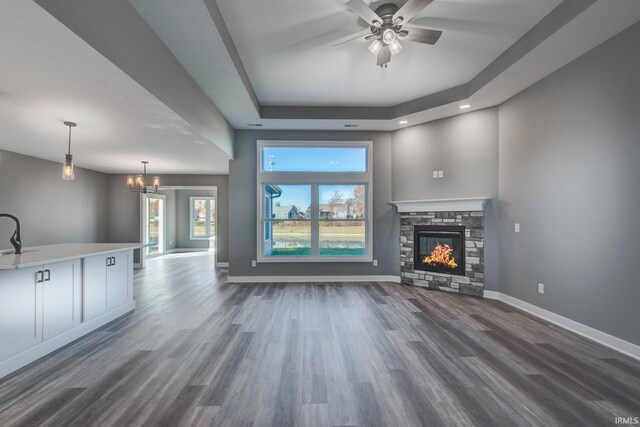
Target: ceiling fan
[[387, 27]]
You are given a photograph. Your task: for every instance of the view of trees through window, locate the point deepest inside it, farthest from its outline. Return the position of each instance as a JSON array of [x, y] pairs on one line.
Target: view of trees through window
[[154, 212], [203, 214], [341, 226]]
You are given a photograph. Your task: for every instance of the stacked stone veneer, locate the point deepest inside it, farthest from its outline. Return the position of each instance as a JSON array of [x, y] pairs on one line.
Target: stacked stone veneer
[[472, 283]]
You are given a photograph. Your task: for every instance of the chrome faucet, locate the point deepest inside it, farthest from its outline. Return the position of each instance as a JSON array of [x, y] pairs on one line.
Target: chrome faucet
[[16, 241]]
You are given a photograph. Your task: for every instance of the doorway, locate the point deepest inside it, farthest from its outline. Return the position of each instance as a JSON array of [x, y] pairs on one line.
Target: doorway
[[155, 225]]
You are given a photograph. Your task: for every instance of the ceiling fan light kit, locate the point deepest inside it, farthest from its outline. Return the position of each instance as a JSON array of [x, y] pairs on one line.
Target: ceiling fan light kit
[[388, 25]]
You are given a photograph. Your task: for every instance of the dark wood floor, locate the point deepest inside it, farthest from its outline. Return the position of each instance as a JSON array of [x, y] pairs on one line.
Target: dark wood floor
[[200, 351]]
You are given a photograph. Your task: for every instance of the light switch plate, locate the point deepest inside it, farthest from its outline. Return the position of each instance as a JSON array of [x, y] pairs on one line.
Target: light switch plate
[[541, 288], [254, 263], [440, 174], [435, 174], [375, 262], [517, 227]]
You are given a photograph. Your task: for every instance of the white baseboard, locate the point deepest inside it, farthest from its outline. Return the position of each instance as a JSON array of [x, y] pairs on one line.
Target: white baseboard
[[43, 348], [222, 264], [614, 343], [306, 279], [176, 250]]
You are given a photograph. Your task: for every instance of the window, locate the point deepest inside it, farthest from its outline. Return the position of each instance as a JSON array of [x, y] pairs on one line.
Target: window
[[202, 224], [314, 159], [154, 224], [314, 201]]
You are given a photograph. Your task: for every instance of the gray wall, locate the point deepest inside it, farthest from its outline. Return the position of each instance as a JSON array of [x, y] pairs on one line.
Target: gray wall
[[183, 234], [51, 210], [124, 208], [569, 174], [465, 147], [242, 224]]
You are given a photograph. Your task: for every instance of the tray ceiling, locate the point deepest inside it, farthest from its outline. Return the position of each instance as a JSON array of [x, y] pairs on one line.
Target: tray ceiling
[[286, 47]]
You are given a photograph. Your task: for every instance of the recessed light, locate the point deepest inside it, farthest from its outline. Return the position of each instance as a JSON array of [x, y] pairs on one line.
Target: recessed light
[[465, 106], [255, 125], [199, 142], [351, 125], [403, 122]]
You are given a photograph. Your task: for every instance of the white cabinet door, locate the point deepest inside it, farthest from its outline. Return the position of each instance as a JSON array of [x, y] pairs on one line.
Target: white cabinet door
[[118, 280], [61, 298], [94, 290], [20, 310]]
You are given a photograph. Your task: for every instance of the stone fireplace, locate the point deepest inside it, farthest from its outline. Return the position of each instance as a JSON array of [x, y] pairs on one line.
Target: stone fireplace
[[442, 244]]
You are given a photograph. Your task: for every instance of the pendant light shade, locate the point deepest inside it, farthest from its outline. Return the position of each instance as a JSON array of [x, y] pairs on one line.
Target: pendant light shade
[[67, 168]]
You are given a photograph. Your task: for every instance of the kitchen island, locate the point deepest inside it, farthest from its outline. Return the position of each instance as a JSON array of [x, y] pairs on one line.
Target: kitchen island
[[52, 295]]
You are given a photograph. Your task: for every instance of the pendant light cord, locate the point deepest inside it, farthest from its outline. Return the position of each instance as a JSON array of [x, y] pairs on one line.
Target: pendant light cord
[[69, 152]]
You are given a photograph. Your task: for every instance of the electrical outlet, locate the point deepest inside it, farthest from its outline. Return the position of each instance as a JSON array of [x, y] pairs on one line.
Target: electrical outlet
[[435, 174], [254, 263], [517, 227], [540, 288], [440, 174], [375, 262]]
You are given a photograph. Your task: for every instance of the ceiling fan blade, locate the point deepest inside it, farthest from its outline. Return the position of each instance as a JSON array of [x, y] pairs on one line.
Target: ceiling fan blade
[[420, 35], [354, 39], [384, 56], [410, 9], [363, 11]]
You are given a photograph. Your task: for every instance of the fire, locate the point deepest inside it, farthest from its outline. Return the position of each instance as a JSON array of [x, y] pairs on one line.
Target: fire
[[441, 255]]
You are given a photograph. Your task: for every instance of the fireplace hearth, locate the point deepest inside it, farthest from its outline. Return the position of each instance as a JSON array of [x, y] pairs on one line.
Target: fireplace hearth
[[439, 249]]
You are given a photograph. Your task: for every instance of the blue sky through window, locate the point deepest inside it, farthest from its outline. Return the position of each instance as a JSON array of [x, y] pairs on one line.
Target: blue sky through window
[[314, 159]]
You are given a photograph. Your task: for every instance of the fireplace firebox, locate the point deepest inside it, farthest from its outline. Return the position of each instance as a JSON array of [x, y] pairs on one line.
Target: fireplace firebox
[[439, 249]]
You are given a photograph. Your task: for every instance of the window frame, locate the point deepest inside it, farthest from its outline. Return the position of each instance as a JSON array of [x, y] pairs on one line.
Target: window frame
[[314, 179], [210, 216]]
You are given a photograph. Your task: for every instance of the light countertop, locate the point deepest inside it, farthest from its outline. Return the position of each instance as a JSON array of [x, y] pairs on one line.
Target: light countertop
[[38, 255]]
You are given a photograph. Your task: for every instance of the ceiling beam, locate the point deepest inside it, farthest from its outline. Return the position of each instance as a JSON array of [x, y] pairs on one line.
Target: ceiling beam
[[223, 30], [116, 30]]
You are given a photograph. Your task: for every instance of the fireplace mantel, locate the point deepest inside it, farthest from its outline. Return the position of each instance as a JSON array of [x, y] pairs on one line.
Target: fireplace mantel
[[442, 205]]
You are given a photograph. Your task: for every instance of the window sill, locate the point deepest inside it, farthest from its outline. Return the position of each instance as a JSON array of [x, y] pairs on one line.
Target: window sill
[[314, 260]]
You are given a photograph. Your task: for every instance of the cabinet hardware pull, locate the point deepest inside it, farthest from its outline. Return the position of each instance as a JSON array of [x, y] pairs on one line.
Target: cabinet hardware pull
[[48, 279], [39, 276], [114, 260]]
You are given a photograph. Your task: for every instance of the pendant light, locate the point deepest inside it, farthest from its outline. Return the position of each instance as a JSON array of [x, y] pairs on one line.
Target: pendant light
[[67, 167], [138, 184]]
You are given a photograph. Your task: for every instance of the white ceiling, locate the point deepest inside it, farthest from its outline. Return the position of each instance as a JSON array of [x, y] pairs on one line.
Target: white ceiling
[[48, 75], [286, 47]]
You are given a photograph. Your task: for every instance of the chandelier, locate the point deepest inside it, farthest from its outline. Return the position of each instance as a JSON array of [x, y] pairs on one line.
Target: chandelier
[[138, 184]]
